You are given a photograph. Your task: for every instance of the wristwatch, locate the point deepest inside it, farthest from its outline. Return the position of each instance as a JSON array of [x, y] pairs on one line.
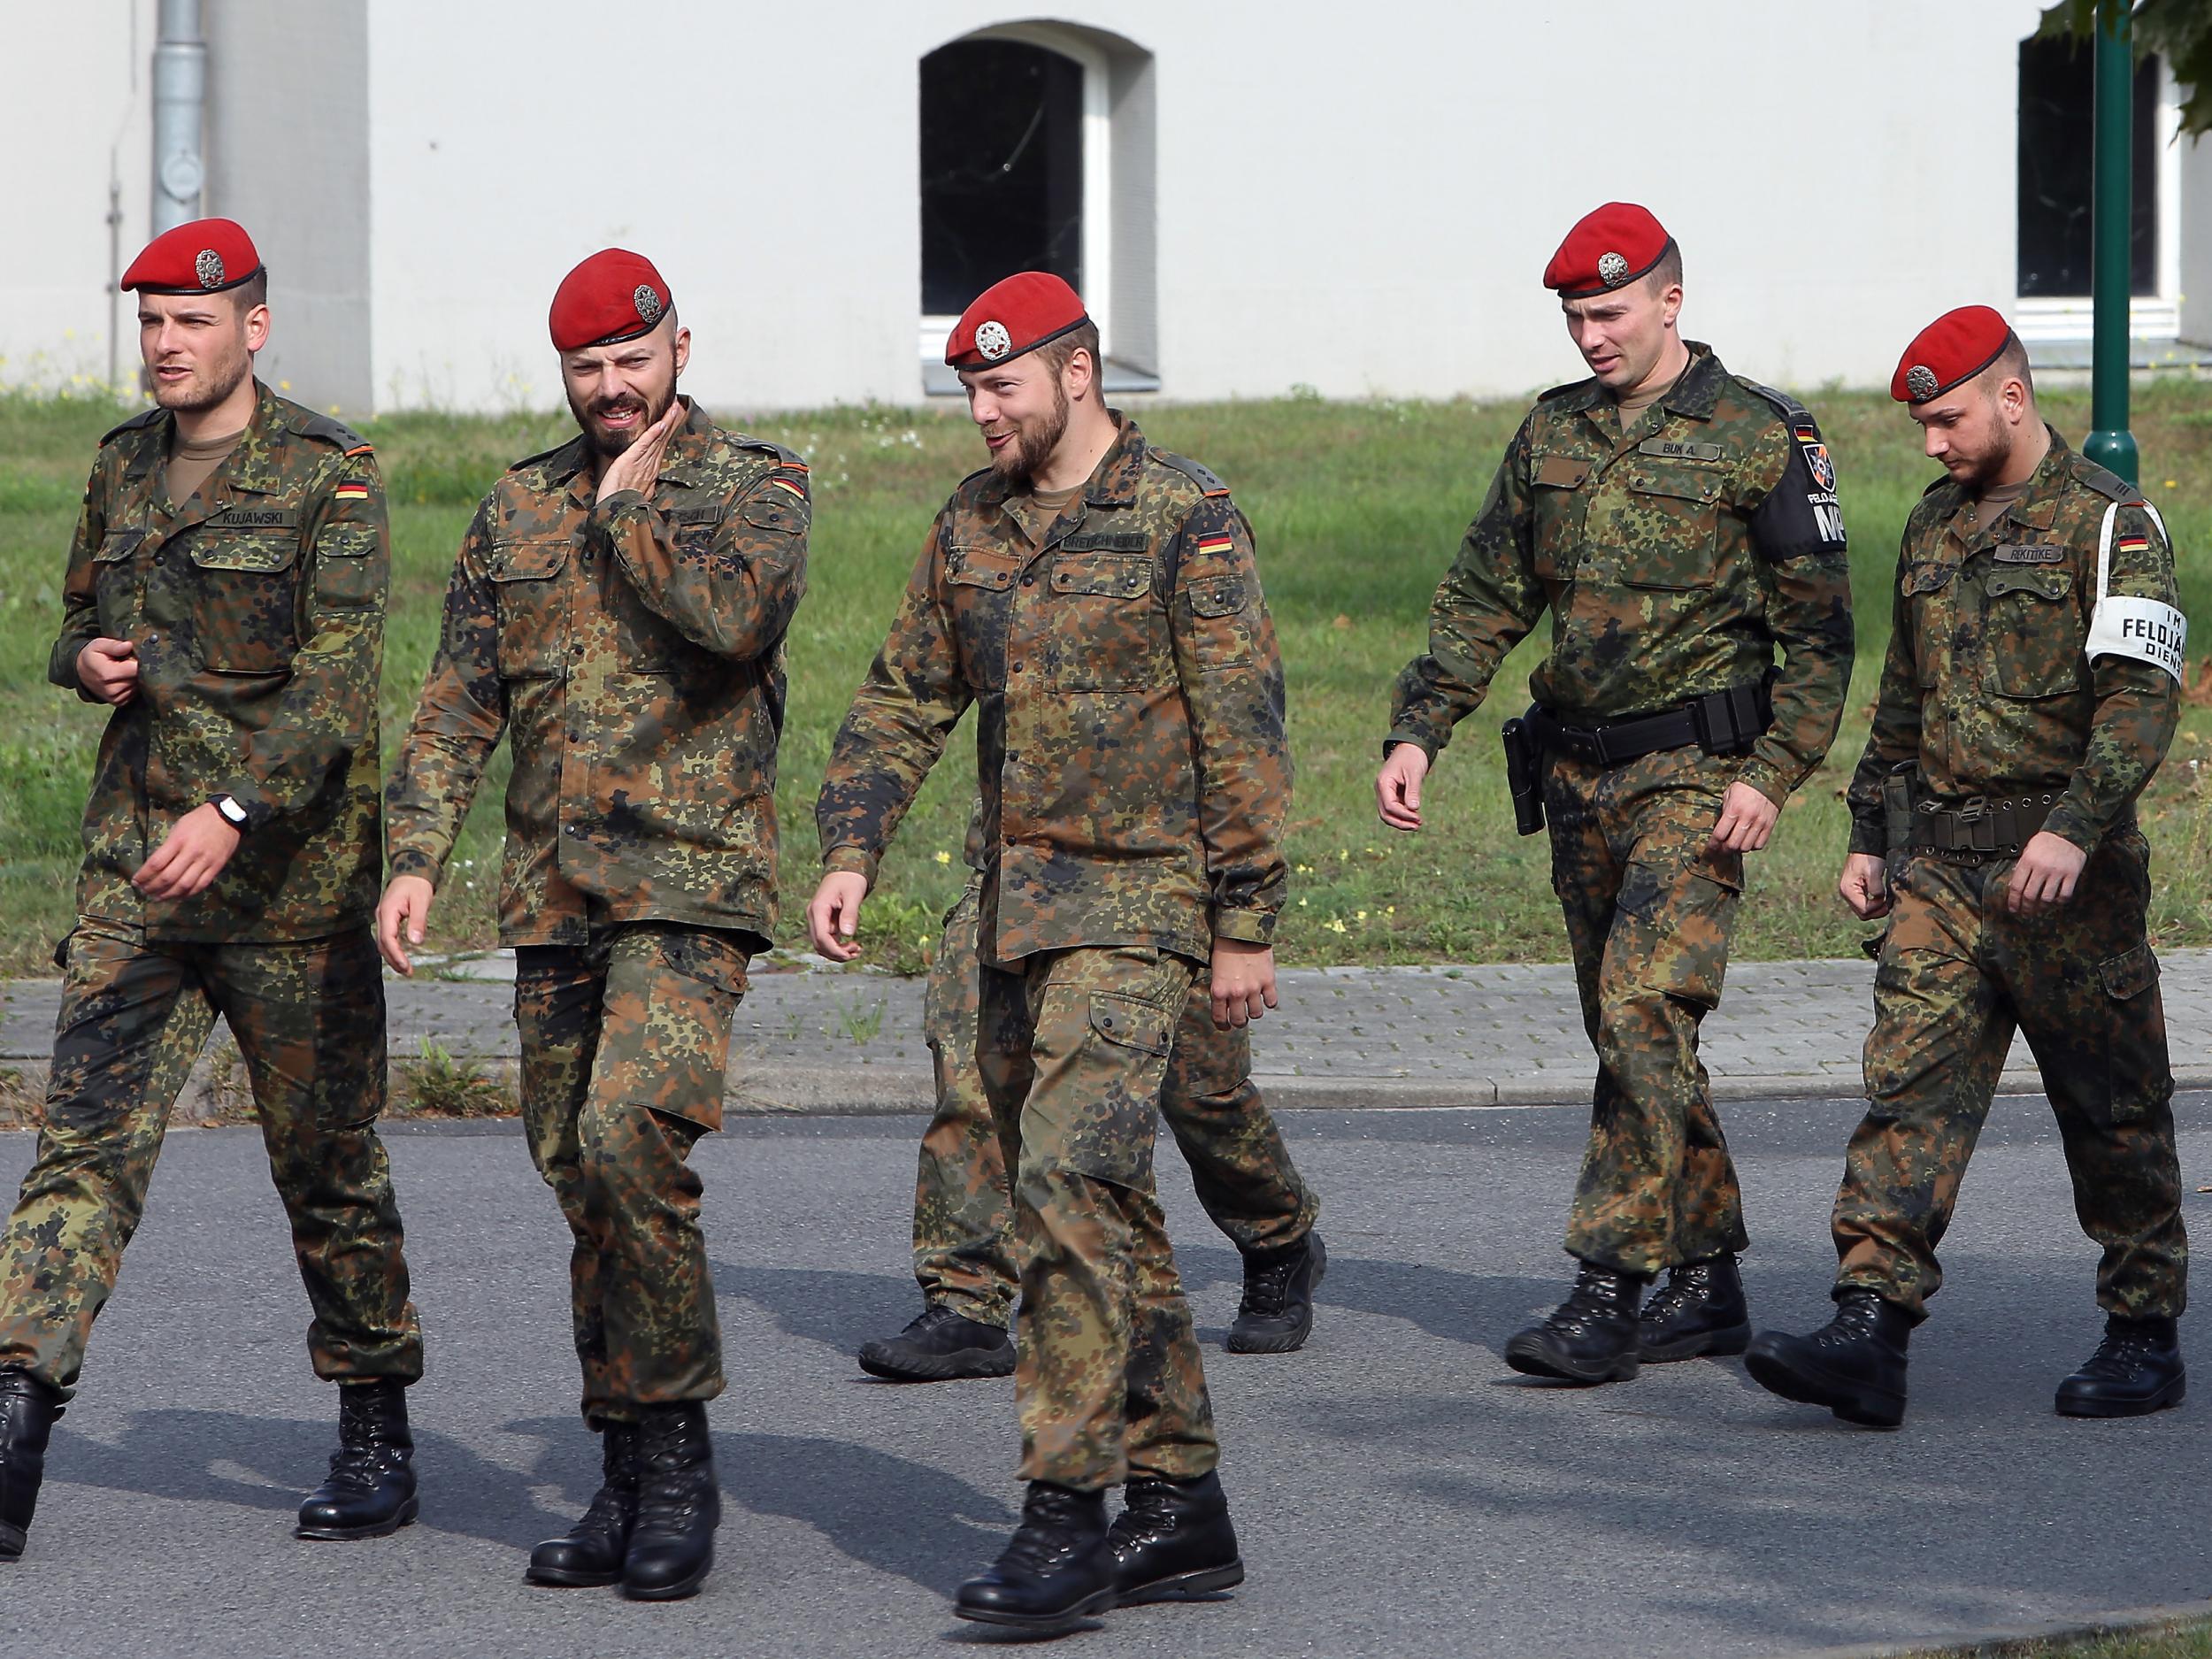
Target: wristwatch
[[233, 813]]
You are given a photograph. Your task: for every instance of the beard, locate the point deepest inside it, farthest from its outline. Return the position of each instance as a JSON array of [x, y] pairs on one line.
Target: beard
[[1034, 443], [605, 444], [209, 386], [1984, 469]]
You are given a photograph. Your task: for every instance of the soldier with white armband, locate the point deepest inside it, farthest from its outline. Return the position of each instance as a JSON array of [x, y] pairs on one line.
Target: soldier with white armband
[[2032, 687]]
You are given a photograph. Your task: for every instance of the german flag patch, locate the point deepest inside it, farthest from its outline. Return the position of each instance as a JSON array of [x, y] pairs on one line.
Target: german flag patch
[[1216, 544], [1806, 431], [2134, 542], [785, 483], [350, 492]]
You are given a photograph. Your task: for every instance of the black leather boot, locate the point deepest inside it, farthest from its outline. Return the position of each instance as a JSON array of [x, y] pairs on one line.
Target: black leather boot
[[592, 1550], [372, 1486], [940, 1345], [1591, 1337], [2136, 1371], [1276, 1315], [1854, 1365], [1700, 1309], [1056, 1568], [1173, 1541], [28, 1410], [679, 1505]]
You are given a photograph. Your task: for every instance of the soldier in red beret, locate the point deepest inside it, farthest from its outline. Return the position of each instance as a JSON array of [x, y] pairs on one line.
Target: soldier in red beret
[[1681, 525], [617, 613], [1099, 599], [2032, 687], [224, 600]]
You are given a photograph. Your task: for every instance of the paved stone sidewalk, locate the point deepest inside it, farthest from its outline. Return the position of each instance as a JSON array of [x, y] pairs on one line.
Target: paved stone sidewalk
[[821, 1039]]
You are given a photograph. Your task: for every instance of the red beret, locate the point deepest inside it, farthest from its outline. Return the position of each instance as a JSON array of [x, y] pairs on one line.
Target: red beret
[[1608, 248], [1954, 348], [613, 296], [1010, 318], [204, 256]]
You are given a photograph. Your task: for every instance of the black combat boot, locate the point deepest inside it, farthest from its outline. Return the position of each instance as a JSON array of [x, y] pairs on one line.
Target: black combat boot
[[1057, 1568], [1173, 1541], [2135, 1370], [1700, 1309], [679, 1505], [372, 1486], [1276, 1315], [28, 1410], [592, 1551], [1591, 1337], [1854, 1365], [940, 1345]]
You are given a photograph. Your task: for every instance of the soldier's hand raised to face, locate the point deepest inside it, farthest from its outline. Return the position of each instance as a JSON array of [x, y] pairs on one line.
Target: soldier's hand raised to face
[[2048, 868], [1243, 982], [1398, 786], [833, 917], [405, 908], [1865, 886], [637, 467], [1746, 820]]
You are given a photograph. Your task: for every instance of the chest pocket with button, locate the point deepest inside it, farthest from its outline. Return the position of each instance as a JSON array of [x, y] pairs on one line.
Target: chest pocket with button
[[1928, 611], [533, 605], [2035, 631], [1106, 633], [1665, 525], [1557, 504], [978, 579], [115, 583], [245, 599]]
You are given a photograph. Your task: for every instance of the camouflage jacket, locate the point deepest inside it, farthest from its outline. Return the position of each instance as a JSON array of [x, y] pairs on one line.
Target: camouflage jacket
[[1132, 763], [1674, 557], [1985, 684], [257, 609], [632, 651]]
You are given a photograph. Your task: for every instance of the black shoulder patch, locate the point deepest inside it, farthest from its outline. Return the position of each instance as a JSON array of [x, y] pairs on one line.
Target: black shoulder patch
[[784, 457], [329, 430], [1551, 392], [143, 419], [2104, 480], [1190, 469]]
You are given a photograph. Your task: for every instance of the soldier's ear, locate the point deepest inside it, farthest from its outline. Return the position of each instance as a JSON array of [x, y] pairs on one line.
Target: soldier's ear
[[257, 328], [683, 349]]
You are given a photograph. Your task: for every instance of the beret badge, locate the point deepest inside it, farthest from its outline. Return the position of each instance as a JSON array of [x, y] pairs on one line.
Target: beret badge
[[209, 268], [648, 302], [993, 340], [1920, 381], [1612, 269]]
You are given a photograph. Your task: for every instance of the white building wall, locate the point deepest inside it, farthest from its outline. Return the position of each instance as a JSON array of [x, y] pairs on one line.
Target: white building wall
[[76, 93]]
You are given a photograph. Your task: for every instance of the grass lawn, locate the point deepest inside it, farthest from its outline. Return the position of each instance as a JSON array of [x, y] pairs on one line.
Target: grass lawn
[[2192, 1640], [1358, 509]]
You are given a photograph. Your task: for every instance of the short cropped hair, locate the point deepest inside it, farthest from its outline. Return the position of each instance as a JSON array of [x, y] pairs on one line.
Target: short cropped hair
[[1054, 354], [1668, 273], [2011, 365], [253, 291]]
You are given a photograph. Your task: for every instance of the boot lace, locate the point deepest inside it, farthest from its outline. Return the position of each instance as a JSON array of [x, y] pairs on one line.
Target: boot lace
[[2120, 1356]]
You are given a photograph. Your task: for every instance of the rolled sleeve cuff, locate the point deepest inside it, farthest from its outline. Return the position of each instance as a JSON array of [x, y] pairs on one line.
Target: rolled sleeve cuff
[[2068, 823], [1430, 746], [853, 860], [1868, 838], [250, 802], [1248, 927], [1764, 776], [407, 862]]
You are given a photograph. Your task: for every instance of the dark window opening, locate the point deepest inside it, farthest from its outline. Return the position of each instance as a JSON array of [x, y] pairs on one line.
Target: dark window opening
[[2058, 127], [1002, 168]]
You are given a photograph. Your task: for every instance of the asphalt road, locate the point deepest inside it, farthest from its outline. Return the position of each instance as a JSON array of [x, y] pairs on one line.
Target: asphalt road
[[1397, 1489]]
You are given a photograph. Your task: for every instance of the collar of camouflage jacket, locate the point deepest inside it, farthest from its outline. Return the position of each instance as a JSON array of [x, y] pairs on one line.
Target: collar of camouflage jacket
[[2033, 509], [1113, 481], [247, 465], [1695, 395], [678, 465]]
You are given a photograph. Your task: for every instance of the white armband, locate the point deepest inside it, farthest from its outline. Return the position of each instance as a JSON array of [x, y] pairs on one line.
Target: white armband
[[2148, 630]]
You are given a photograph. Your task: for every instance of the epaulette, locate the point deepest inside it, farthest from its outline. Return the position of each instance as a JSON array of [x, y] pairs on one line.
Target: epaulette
[[544, 455], [784, 457], [1548, 393], [1206, 481], [145, 418], [1934, 484], [330, 431], [2105, 482], [1782, 403]]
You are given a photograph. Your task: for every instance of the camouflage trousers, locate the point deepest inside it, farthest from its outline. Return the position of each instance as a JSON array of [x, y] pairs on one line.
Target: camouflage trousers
[[1073, 1049], [1958, 973], [625, 1041], [1649, 913], [964, 1218], [308, 1018]]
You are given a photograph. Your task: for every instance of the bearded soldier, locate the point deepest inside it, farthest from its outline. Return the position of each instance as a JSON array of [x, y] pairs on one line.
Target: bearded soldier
[[2030, 692]]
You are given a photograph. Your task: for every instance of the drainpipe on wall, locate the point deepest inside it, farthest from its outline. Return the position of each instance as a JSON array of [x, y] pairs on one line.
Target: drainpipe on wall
[[180, 100]]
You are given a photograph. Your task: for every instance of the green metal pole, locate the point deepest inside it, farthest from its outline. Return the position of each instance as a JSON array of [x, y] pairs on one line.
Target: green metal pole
[[2113, 171]]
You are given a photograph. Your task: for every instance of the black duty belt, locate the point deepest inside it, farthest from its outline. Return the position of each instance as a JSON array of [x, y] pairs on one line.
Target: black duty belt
[[1721, 722], [1982, 827]]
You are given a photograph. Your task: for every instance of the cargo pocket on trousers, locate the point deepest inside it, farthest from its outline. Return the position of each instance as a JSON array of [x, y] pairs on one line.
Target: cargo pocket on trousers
[[2138, 1077], [709, 957], [1684, 910], [1100, 1118]]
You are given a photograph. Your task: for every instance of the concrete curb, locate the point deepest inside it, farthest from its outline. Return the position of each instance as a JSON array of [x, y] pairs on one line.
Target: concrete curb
[[2123, 1622]]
